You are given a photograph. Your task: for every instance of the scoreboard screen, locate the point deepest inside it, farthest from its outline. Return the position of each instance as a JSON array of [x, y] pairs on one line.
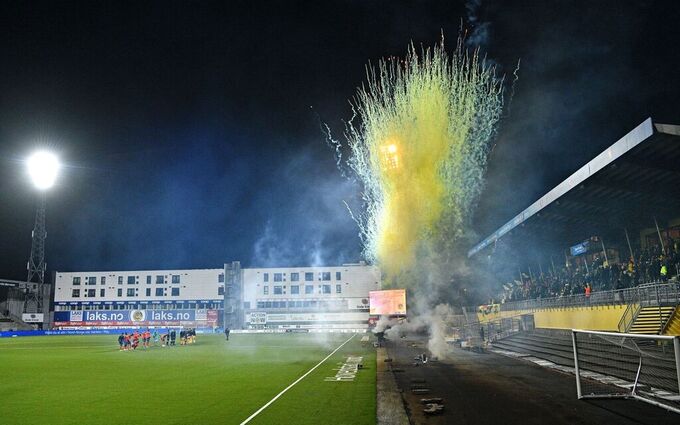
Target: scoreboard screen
[[388, 302]]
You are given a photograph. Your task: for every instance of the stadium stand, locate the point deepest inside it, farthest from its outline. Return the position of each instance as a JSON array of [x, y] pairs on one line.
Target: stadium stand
[[10, 324], [633, 184], [647, 309], [11, 306], [599, 252], [643, 268]]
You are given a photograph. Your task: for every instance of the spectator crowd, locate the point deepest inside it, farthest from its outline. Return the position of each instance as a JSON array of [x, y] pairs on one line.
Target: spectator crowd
[[652, 264]]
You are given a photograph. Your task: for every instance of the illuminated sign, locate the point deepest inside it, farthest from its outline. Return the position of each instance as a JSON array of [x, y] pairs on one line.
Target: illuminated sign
[[389, 302]]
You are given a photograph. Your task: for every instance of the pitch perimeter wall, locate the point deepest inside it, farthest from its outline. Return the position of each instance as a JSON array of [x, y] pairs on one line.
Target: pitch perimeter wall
[[601, 317]]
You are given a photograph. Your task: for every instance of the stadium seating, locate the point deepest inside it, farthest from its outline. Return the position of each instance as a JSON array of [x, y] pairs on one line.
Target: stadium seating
[[9, 324]]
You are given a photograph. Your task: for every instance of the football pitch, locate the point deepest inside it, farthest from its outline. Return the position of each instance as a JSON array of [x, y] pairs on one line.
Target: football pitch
[[87, 380]]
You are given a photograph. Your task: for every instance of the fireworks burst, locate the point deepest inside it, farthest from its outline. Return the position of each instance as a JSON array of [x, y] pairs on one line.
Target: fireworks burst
[[418, 142]]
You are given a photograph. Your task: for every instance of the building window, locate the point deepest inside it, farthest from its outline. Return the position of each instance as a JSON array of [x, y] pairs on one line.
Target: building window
[[294, 277], [102, 292], [120, 292], [278, 277], [91, 293], [175, 278], [148, 280], [120, 280], [338, 289], [278, 290], [266, 277], [131, 280], [159, 292], [131, 292], [103, 280], [220, 290], [338, 276], [265, 290], [76, 280], [148, 292], [326, 276], [75, 293], [309, 277], [159, 279], [175, 292], [92, 280], [220, 278], [326, 289], [295, 289], [309, 289]]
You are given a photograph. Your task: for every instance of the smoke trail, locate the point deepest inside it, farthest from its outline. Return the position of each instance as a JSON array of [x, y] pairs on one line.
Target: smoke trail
[[418, 143], [479, 34]]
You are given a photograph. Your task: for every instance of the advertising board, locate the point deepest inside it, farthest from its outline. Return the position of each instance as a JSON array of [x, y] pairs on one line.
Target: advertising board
[[32, 317], [199, 317], [388, 302]]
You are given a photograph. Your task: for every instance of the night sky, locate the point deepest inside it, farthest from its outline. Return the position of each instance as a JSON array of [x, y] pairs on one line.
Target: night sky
[[191, 130]]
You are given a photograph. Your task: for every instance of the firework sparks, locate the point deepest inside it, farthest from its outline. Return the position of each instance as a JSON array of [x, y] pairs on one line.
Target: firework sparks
[[419, 142]]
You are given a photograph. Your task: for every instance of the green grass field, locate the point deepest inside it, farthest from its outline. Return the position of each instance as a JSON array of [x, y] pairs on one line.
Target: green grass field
[[86, 380]]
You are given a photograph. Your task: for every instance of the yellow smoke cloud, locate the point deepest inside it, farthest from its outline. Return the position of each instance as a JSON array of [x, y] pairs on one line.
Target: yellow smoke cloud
[[425, 125]]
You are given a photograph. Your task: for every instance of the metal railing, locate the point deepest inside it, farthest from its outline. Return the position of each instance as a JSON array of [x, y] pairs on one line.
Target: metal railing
[[495, 329], [628, 317], [654, 293]]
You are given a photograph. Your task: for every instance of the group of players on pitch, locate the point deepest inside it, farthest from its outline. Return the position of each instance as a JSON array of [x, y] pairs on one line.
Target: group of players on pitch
[[130, 341]]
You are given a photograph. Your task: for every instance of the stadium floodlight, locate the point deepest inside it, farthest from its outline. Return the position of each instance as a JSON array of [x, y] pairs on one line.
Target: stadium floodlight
[[390, 158], [43, 167]]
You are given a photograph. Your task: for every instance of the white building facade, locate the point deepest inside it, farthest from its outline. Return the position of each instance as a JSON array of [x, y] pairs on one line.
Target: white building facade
[[268, 298]]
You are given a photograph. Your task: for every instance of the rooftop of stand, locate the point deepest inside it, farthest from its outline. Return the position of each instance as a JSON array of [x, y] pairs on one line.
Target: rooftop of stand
[[629, 184]]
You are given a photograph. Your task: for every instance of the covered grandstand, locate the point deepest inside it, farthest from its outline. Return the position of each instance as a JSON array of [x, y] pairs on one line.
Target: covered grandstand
[[601, 252], [627, 186], [619, 213]]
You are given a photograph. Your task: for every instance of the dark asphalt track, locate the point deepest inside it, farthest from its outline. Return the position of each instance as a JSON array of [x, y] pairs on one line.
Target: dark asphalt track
[[486, 388]]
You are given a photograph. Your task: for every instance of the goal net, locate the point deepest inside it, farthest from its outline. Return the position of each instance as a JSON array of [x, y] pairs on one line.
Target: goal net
[[617, 365]]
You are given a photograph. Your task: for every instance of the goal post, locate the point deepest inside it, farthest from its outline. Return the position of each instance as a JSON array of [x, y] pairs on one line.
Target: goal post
[[632, 366]]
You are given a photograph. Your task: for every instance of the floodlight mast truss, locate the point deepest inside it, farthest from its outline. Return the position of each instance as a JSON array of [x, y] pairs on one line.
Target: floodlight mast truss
[[33, 301]]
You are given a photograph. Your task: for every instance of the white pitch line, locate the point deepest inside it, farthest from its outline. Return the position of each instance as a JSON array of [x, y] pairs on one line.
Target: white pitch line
[[291, 385]]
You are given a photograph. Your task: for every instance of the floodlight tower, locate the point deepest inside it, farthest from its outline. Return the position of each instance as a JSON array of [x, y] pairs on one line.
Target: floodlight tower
[[43, 168]]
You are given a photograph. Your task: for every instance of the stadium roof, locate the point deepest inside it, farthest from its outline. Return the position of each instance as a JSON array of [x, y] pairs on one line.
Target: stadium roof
[[628, 185]]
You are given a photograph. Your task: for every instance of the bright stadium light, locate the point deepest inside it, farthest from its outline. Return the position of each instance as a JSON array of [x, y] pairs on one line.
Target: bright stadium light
[[43, 167], [390, 158]]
